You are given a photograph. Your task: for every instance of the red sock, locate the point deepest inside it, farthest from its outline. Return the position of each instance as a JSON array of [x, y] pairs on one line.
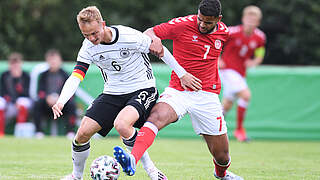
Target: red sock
[[240, 118], [2, 122], [221, 169], [144, 140], [22, 114]]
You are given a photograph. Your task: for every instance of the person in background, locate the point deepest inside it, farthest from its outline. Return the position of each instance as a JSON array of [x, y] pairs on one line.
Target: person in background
[[14, 100], [244, 49], [49, 87]]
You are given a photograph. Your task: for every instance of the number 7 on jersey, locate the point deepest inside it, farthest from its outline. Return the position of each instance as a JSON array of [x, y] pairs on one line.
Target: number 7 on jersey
[[207, 51]]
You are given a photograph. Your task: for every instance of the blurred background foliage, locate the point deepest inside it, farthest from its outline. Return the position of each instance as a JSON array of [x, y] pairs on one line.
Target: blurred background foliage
[[33, 26]]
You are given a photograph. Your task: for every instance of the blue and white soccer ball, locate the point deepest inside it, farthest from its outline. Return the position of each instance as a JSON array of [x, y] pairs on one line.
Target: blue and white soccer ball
[[105, 168]]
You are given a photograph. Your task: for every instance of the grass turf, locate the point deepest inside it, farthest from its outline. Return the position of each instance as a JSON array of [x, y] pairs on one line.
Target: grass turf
[[179, 159]]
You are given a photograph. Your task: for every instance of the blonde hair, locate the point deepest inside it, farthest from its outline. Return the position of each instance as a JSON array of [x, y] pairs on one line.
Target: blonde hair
[[253, 10], [89, 14]]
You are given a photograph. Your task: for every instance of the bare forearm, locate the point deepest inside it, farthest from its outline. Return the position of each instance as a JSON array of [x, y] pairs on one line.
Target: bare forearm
[[257, 61]]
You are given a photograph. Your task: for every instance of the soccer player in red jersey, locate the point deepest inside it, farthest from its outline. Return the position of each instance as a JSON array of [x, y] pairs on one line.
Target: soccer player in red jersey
[[197, 44], [245, 48]]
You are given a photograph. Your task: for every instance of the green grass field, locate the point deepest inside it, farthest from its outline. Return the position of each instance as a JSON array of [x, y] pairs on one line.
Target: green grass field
[[180, 159]]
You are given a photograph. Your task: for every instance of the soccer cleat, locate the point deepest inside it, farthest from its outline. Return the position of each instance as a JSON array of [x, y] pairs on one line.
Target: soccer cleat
[[126, 160], [229, 176], [241, 135], [156, 174], [71, 177]]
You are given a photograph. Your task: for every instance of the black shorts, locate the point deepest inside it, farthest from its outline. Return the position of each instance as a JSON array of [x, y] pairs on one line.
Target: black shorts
[[105, 108]]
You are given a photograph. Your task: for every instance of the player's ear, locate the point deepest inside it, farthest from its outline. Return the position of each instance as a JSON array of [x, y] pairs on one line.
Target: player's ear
[[104, 23]]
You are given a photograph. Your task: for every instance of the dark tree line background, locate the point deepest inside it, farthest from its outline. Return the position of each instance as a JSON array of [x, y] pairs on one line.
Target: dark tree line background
[[33, 26]]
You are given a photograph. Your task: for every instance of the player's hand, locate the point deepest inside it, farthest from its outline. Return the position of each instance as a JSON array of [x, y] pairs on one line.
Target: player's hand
[[156, 47], [250, 63], [190, 81], [221, 63], [51, 99], [57, 110]]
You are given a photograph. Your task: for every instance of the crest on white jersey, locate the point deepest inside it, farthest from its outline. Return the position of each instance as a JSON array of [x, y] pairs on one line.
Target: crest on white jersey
[[124, 52], [217, 44]]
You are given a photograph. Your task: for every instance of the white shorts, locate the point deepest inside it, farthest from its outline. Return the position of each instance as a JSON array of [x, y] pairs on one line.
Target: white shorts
[[204, 108], [232, 83]]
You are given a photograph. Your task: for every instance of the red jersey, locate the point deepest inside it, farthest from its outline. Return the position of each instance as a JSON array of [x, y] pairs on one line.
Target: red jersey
[[241, 47], [197, 53]]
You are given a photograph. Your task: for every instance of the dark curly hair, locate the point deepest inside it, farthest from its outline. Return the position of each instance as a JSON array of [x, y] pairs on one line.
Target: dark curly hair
[[210, 8]]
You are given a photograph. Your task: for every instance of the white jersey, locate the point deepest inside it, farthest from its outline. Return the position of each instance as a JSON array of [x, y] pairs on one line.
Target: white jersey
[[124, 63]]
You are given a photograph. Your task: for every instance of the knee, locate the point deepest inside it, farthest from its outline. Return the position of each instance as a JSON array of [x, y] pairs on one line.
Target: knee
[[245, 95], [162, 114], [82, 136], [247, 98], [2, 103], [227, 106], [157, 119], [121, 126]]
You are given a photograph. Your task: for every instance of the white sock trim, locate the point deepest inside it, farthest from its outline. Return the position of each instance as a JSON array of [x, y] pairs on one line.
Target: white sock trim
[[134, 132], [223, 165], [78, 144], [151, 126], [241, 102]]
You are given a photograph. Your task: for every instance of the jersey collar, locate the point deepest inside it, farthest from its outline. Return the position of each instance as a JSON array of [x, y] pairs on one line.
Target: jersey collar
[[115, 36]]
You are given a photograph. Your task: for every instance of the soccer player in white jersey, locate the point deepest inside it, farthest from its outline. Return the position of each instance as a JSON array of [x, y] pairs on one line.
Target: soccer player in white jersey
[[129, 89]]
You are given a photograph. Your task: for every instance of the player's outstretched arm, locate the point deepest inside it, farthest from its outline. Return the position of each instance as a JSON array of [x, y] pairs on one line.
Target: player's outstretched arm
[[258, 57], [187, 79], [68, 90], [253, 62], [156, 47]]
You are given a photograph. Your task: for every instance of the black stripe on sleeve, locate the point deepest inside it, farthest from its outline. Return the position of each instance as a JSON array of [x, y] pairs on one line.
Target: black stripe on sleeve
[[81, 66]]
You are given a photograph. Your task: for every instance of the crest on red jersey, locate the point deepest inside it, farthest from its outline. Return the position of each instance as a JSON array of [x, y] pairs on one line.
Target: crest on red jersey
[[195, 38], [217, 44], [253, 44]]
